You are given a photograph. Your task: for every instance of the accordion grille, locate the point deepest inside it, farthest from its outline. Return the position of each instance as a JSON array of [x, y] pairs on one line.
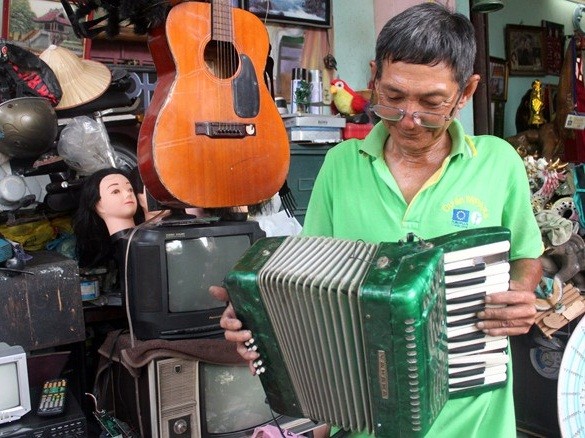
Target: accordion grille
[[310, 288]]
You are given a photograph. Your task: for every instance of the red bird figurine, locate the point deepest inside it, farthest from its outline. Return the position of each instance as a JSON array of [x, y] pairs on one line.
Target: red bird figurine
[[346, 101]]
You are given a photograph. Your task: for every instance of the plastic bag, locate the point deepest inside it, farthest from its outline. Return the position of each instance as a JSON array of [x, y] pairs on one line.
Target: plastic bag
[[270, 431], [33, 236], [84, 145], [277, 223]]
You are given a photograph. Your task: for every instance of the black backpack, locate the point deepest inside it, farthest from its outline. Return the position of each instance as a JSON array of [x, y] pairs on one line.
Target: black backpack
[[24, 74]]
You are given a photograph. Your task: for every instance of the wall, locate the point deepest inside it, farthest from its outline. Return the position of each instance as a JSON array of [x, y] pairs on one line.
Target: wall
[[356, 25], [515, 12]]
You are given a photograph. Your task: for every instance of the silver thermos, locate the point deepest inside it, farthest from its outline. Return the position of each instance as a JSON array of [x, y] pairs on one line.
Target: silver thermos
[[316, 81]]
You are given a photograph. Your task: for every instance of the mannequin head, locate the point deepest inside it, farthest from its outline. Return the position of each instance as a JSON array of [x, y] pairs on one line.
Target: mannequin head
[[117, 202], [107, 205]]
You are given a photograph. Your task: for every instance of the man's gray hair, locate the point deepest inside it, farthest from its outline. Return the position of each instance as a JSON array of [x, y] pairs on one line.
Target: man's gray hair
[[429, 34]]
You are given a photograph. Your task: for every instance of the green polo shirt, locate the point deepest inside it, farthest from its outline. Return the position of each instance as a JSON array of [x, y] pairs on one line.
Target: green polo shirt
[[481, 183]]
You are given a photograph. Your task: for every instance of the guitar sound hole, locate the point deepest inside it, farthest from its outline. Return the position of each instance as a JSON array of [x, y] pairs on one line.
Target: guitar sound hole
[[221, 58]]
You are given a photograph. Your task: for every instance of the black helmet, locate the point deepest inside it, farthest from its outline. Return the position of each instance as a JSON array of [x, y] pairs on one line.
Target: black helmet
[[28, 126]]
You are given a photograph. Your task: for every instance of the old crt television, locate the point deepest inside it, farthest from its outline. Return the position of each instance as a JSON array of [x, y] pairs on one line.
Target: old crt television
[[198, 399], [14, 390], [169, 269]]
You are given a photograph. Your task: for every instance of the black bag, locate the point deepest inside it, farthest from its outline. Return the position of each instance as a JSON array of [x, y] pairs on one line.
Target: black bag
[[24, 74]]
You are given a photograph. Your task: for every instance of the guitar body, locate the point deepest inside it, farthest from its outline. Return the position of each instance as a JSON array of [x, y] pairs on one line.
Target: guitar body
[[165, 69], [218, 139]]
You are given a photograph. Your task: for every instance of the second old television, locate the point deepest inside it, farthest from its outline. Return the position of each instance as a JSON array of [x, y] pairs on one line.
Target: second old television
[[170, 269], [14, 395], [190, 398]]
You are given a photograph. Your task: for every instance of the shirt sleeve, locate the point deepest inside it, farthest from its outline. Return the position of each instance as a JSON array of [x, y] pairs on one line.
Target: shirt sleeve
[[526, 239]]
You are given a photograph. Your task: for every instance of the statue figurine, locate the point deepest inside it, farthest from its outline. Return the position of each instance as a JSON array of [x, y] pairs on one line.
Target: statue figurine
[[536, 105]]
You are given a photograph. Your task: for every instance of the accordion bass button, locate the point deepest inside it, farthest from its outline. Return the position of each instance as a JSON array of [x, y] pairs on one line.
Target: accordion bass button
[[260, 370], [251, 345]]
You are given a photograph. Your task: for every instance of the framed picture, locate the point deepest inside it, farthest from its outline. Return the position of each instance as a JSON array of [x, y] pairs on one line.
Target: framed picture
[[526, 50], [498, 79], [300, 12], [554, 37], [36, 24]]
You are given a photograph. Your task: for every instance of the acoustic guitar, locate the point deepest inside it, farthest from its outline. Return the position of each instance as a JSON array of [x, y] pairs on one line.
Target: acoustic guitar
[[212, 136]]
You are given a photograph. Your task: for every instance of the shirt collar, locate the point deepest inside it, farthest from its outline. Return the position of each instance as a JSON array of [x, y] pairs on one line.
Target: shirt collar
[[463, 145]]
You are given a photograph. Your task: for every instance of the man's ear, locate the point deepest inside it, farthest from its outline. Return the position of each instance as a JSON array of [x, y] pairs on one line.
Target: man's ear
[[469, 89]]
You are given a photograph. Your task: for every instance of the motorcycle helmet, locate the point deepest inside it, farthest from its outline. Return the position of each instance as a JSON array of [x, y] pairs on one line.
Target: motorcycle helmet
[[28, 126]]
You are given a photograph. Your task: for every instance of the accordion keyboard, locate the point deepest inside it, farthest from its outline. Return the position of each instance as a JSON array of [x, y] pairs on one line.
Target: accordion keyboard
[[475, 359]]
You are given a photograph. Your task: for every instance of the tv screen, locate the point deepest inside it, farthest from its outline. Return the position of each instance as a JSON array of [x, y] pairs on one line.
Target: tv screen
[[9, 384], [170, 269], [189, 282], [14, 392], [232, 400]]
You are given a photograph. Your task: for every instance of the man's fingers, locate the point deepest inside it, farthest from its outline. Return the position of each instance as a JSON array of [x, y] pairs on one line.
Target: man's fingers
[[219, 293]]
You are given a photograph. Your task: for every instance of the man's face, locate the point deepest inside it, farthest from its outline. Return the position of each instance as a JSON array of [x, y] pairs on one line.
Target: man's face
[[417, 89]]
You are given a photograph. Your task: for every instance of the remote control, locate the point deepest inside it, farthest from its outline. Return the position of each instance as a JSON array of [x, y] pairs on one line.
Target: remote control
[[52, 398]]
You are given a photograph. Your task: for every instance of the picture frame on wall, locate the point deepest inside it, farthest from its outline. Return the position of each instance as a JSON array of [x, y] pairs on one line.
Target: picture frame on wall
[[310, 13], [498, 79], [525, 50], [36, 24]]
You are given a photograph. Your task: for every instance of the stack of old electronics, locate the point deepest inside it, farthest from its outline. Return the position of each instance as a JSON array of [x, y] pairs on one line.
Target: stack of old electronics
[[314, 128]]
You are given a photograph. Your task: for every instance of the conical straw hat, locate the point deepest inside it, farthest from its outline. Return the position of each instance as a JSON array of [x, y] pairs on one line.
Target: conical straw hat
[[81, 80]]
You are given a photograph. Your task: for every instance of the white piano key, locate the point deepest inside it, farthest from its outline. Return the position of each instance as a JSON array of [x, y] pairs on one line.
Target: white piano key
[[483, 250]]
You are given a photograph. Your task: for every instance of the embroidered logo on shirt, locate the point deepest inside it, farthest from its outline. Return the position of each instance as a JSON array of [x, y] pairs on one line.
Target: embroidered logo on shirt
[[463, 218], [460, 217]]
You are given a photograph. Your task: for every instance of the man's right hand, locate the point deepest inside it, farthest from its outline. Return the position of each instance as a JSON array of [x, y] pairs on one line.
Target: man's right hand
[[233, 326]]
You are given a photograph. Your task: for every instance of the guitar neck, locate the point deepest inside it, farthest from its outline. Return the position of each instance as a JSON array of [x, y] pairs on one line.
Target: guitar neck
[[221, 16]]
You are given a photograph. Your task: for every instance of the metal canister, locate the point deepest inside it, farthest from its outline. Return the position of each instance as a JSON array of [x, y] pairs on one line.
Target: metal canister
[[316, 81]]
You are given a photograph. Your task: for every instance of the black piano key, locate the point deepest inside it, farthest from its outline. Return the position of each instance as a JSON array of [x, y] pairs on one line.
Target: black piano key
[[485, 380], [468, 383], [469, 348], [467, 269], [464, 310], [467, 373], [466, 283], [467, 337], [465, 299], [466, 321]]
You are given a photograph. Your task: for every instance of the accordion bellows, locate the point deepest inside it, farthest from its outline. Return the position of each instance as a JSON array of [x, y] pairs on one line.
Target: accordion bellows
[[358, 334]]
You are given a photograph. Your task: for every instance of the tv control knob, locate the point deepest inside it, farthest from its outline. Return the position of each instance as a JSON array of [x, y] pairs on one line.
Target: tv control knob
[[180, 426]]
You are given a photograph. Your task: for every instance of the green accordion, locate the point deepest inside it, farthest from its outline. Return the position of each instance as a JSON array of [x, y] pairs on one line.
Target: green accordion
[[372, 337]]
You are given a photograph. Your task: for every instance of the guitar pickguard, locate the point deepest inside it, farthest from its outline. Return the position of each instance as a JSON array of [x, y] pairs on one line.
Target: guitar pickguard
[[245, 89]]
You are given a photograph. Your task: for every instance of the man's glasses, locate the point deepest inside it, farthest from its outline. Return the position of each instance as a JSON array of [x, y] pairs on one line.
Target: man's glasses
[[421, 118]]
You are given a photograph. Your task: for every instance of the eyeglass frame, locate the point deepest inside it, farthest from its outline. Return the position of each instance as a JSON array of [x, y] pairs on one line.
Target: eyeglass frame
[[416, 114]]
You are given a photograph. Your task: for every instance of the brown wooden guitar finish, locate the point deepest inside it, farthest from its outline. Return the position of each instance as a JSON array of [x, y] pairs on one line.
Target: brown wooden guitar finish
[[165, 70], [218, 139]]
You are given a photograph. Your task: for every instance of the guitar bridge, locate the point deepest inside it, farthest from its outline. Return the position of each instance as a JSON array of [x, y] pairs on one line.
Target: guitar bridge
[[225, 130]]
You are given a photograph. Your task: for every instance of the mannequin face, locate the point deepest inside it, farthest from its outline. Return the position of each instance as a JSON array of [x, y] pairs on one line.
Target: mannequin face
[[117, 198]]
